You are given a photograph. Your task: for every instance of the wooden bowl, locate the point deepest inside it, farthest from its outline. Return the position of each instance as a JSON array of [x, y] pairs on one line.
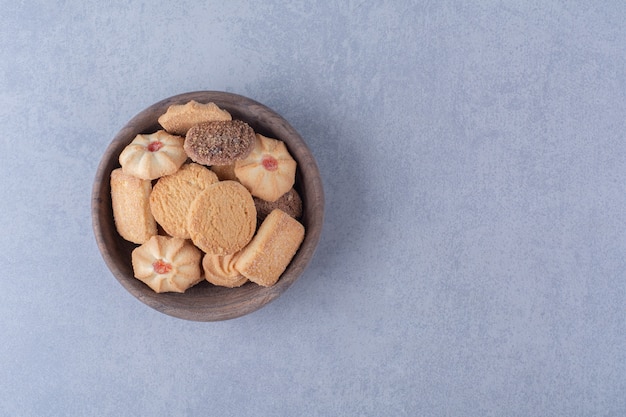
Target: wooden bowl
[[205, 302]]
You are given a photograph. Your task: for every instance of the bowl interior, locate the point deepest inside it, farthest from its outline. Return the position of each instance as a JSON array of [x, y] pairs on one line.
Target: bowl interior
[[205, 302]]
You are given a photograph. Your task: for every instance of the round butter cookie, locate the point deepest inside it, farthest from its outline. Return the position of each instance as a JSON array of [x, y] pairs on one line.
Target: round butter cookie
[[179, 118], [219, 142], [222, 218], [220, 271], [167, 264], [173, 194], [268, 171], [151, 156]]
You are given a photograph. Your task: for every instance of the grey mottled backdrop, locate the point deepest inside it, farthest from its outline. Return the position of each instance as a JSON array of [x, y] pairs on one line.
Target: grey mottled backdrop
[[474, 163]]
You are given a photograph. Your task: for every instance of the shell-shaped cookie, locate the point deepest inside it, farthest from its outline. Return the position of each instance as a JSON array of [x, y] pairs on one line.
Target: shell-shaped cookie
[[269, 171], [179, 118], [167, 264], [220, 271], [150, 156]]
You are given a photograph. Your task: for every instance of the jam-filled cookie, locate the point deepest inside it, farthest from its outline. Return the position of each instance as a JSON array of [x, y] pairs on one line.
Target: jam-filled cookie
[[269, 171], [167, 264], [152, 156]]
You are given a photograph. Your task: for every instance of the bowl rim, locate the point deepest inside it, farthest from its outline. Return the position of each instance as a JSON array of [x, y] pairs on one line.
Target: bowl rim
[[174, 304]]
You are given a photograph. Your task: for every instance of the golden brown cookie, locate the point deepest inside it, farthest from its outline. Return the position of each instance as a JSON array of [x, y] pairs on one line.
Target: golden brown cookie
[[173, 194], [290, 203], [131, 208], [151, 156], [220, 271], [222, 218], [225, 172], [269, 171], [220, 142], [179, 118], [167, 264], [267, 256]]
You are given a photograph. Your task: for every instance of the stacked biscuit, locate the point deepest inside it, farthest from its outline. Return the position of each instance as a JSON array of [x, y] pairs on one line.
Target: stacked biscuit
[[207, 198]]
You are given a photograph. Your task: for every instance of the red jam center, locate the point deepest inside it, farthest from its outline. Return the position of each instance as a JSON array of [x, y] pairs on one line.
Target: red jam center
[[161, 267], [270, 163], [154, 146]]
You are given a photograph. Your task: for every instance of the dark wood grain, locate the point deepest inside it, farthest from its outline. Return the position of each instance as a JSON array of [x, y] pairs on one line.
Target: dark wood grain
[[206, 302]]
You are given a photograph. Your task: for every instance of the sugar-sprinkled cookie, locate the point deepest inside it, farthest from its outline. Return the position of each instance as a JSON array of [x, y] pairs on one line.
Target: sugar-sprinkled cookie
[[220, 142], [267, 256]]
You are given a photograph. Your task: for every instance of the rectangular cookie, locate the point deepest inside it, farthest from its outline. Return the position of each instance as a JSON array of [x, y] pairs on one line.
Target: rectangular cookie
[[269, 252], [130, 198]]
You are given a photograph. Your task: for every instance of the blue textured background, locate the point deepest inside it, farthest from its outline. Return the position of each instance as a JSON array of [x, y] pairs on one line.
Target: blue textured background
[[472, 262]]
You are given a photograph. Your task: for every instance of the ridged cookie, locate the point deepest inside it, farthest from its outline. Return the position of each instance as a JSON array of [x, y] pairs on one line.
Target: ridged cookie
[[220, 142], [172, 196], [222, 218], [131, 208], [267, 256], [268, 171], [167, 264], [220, 271], [152, 156], [179, 118]]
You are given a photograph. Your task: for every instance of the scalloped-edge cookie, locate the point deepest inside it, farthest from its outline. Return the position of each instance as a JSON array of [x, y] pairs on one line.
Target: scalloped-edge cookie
[[150, 156], [269, 171], [167, 264], [179, 118]]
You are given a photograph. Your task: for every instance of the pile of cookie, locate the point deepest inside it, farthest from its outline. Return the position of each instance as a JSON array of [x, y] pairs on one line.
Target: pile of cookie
[[207, 198]]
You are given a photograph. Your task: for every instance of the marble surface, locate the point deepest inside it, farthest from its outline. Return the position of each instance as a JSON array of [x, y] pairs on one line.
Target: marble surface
[[472, 261]]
